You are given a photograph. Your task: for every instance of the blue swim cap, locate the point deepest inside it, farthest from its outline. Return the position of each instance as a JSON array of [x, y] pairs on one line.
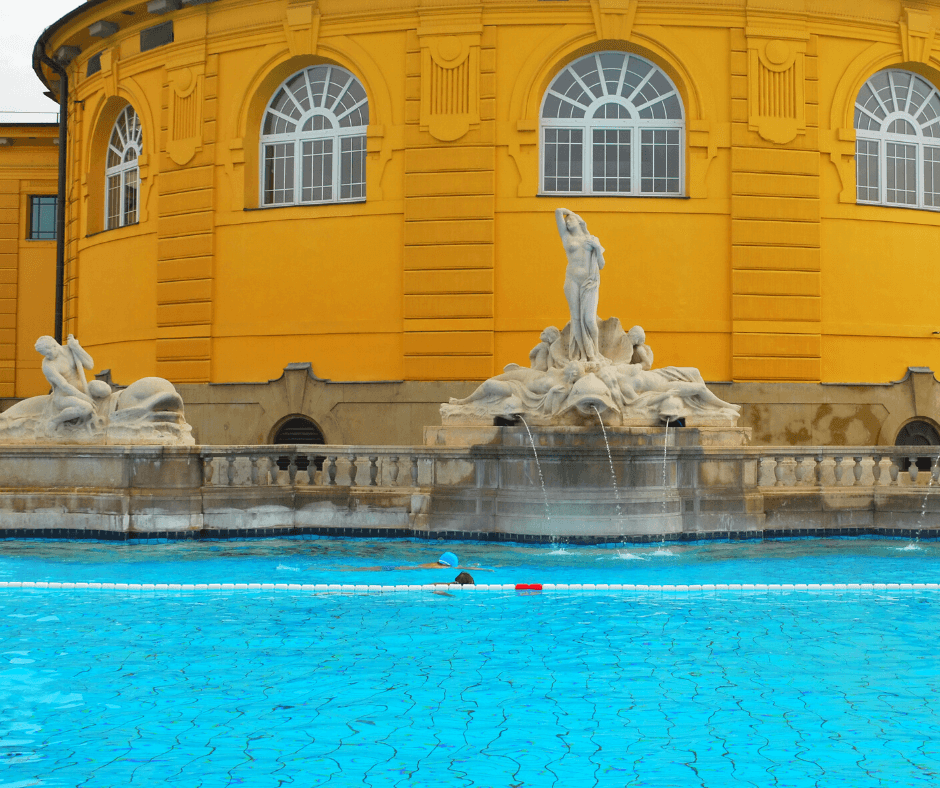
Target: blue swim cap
[[448, 559]]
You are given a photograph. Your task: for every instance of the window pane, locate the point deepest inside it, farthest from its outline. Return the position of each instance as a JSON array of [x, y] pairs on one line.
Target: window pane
[[901, 175], [352, 168], [586, 68], [42, 226], [279, 173], [563, 160], [659, 161], [130, 197], [901, 126], [866, 170], [612, 63], [114, 201], [612, 110], [317, 185], [611, 160], [932, 177]]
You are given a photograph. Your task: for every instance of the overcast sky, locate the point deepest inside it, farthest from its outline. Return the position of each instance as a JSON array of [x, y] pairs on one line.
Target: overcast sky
[[21, 23]]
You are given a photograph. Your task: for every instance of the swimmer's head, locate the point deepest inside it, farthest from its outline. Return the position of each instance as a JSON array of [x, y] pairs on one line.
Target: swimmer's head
[[448, 559], [464, 579]]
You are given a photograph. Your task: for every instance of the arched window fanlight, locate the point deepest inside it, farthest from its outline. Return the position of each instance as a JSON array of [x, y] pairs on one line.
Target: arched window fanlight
[[612, 123], [122, 175], [897, 148], [313, 139]]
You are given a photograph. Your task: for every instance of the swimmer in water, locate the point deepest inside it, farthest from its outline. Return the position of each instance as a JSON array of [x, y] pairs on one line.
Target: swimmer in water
[[463, 579], [446, 561]]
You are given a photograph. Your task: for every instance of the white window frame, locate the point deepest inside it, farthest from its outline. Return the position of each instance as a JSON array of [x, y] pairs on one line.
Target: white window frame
[[337, 135], [127, 147], [635, 124], [880, 137]]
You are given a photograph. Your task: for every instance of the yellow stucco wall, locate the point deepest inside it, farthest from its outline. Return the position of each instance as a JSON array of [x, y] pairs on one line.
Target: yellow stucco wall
[[28, 167], [765, 270]]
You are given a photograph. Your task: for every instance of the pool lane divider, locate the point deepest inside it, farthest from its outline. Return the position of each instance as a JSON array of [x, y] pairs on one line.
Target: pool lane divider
[[345, 588]]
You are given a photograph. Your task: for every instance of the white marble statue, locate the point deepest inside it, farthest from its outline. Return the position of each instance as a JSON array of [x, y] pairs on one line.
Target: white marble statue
[[591, 367], [582, 283], [149, 411]]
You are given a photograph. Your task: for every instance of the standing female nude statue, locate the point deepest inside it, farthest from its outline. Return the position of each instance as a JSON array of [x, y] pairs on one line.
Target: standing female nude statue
[[582, 284]]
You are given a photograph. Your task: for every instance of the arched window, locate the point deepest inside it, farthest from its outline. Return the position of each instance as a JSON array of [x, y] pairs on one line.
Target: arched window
[[121, 170], [917, 433], [612, 123], [897, 148], [300, 430], [313, 139]]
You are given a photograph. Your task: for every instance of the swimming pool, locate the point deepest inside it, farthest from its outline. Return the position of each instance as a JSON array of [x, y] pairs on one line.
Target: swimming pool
[[714, 688]]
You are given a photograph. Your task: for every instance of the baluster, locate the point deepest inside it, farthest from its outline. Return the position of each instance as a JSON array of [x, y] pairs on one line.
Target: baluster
[[253, 459], [414, 471], [913, 470], [373, 471], [876, 469], [838, 470], [331, 470], [393, 471], [798, 471], [857, 471], [935, 471], [230, 468], [819, 470], [765, 474], [208, 469], [778, 471], [292, 468], [894, 470], [273, 471], [352, 470]]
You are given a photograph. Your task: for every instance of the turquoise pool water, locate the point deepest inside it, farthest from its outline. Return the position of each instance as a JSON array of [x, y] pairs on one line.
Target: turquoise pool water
[[208, 688]]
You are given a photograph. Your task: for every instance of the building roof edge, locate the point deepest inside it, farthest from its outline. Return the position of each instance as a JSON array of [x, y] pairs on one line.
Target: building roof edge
[[50, 31]]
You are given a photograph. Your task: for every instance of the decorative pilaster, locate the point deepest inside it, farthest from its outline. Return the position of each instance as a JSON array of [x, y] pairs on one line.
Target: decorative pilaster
[[185, 225], [449, 199], [775, 232]]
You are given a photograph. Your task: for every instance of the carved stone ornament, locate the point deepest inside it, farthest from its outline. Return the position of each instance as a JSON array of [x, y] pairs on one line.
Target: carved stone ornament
[[591, 369], [450, 85], [776, 88], [148, 412]]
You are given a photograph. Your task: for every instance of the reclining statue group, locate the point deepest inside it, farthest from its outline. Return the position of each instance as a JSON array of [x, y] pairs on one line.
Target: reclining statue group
[[590, 369], [78, 411]]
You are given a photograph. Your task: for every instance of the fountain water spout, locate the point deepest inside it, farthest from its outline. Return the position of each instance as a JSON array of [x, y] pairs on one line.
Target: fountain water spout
[[548, 511], [613, 475]]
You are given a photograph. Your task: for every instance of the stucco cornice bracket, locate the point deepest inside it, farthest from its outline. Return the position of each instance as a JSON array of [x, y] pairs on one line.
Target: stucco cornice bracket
[[613, 19], [917, 34]]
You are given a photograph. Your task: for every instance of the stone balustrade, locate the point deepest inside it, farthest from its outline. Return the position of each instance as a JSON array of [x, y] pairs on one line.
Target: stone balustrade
[[318, 466], [847, 467], [639, 490]]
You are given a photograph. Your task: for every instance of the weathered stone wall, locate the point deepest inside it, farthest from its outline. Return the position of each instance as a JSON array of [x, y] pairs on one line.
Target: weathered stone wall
[[396, 412], [668, 486]]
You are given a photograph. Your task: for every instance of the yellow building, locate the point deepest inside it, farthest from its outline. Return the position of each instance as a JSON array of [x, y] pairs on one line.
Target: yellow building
[[28, 179], [368, 185]]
